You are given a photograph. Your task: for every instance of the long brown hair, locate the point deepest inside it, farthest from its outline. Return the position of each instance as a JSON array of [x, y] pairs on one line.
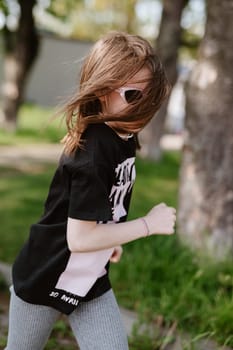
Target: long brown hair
[[113, 60]]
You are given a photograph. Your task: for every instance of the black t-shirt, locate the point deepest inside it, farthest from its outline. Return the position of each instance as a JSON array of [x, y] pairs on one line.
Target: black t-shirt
[[94, 184]]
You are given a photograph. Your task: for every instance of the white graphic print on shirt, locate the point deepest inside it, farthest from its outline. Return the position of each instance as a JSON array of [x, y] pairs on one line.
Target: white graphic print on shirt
[[125, 177], [83, 269]]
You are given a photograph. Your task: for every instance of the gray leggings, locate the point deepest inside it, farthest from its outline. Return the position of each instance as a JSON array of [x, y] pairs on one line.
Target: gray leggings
[[96, 324]]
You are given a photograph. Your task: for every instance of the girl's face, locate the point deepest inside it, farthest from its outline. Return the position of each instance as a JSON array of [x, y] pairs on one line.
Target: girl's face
[[116, 101]]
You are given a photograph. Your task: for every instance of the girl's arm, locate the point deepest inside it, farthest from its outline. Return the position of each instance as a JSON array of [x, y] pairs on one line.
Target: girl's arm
[[87, 236]]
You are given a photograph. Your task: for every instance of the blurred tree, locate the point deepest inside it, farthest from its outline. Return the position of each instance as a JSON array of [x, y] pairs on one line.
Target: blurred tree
[[206, 184], [167, 46], [99, 16], [21, 48], [130, 10]]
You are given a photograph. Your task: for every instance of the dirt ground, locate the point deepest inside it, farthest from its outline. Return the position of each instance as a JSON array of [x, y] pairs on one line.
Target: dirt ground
[[4, 304]]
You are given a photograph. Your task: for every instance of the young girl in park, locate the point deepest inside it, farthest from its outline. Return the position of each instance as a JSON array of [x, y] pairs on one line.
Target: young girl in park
[[63, 266]]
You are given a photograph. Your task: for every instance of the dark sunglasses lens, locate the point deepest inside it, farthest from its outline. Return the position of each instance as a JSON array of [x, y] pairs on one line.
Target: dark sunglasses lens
[[133, 95]]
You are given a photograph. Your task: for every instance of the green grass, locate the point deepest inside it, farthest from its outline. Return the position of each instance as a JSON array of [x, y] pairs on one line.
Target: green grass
[[157, 276], [22, 195], [35, 125]]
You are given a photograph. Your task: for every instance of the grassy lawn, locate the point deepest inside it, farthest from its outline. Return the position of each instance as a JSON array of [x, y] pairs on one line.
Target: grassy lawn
[[157, 276], [35, 125]]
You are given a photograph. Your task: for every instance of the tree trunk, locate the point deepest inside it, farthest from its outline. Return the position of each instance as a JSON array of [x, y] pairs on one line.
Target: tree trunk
[[19, 57], [205, 217], [167, 46]]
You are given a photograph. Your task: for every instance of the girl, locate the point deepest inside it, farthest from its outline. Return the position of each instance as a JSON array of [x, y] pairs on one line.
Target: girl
[[63, 267]]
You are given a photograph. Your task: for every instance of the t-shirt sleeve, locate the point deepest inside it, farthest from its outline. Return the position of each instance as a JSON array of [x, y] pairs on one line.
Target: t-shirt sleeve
[[89, 194]]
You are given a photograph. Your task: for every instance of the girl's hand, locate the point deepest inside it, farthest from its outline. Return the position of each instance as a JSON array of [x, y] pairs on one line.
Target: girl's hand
[[116, 255], [161, 220]]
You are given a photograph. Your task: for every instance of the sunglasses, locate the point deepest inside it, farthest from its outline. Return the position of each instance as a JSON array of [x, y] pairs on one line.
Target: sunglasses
[[129, 94]]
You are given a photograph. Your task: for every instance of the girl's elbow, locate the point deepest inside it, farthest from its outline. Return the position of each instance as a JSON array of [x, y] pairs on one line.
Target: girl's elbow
[[78, 235], [72, 248], [75, 247]]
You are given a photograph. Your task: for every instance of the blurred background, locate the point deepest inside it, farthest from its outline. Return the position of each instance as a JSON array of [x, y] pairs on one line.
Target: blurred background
[[181, 287]]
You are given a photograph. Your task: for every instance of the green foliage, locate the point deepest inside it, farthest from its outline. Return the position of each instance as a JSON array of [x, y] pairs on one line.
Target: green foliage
[[144, 341], [161, 277], [63, 9], [4, 7], [3, 342]]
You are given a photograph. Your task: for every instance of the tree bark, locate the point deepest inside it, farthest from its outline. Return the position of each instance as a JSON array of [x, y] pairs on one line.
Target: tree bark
[[167, 47], [20, 54], [205, 217]]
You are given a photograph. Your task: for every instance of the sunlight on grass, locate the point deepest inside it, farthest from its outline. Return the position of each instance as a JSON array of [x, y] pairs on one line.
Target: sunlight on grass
[[35, 125], [22, 196]]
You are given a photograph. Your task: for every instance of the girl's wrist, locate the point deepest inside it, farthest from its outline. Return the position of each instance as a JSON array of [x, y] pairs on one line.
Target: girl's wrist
[[146, 227]]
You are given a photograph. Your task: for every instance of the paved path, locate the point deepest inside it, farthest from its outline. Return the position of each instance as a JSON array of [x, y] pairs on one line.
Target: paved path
[[20, 155], [34, 153]]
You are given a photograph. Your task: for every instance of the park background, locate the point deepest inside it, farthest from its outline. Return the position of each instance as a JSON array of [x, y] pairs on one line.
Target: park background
[[179, 286]]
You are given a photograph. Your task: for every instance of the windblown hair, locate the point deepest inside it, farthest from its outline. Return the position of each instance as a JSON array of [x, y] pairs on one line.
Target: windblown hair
[[112, 62]]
